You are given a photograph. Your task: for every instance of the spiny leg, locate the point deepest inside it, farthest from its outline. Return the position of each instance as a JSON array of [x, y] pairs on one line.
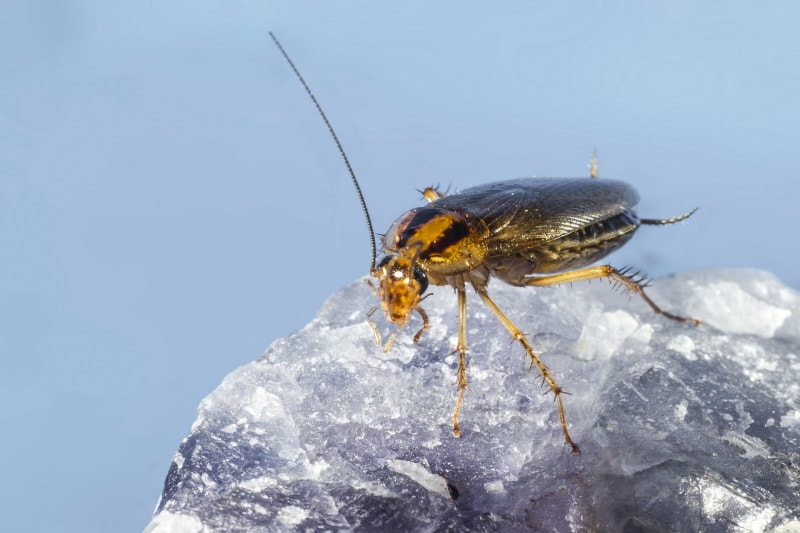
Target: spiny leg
[[461, 348], [551, 383], [607, 271]]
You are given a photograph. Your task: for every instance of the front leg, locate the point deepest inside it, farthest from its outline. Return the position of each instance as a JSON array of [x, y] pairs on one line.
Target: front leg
[[461, 348]]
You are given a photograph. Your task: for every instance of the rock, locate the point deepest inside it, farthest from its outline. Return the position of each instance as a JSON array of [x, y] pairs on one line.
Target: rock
[[681, 428]]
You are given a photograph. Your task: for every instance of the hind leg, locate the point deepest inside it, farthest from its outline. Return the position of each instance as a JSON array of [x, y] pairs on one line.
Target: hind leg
[[607, 271]]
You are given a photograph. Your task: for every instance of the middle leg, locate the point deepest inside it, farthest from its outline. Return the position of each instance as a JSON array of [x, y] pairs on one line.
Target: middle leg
[[551, 383]]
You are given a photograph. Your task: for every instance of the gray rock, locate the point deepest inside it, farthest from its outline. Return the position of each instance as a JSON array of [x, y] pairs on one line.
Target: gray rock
[[681, 428]]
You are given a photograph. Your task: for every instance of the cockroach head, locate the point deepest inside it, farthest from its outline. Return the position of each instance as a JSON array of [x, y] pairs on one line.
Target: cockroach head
[[401, 284]]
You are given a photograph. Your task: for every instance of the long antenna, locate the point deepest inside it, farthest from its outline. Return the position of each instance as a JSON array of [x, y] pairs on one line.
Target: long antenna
[[338, 145]]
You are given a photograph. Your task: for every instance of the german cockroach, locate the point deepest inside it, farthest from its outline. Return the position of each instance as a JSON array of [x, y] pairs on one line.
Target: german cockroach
[[526, 232]]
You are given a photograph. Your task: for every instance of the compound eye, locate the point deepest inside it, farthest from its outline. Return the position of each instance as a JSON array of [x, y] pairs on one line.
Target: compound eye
[[383, 262], [422, 278]]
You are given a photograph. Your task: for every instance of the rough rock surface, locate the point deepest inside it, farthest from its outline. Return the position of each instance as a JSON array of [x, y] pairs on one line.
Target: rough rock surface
[[681, 428]]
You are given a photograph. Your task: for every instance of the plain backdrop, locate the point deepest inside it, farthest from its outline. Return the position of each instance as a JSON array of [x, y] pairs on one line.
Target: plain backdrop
[[170, 202]]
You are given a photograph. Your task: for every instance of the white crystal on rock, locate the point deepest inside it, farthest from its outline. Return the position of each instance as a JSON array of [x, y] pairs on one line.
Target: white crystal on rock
[[681, 428]]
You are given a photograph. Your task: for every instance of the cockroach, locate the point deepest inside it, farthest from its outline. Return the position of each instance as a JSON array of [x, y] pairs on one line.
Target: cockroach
[[525, 232]]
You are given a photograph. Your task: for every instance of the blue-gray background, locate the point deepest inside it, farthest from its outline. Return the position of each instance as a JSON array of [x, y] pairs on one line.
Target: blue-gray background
[[170, 202]]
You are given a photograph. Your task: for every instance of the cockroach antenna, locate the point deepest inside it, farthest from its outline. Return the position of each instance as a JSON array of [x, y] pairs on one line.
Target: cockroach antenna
[[339, 146]]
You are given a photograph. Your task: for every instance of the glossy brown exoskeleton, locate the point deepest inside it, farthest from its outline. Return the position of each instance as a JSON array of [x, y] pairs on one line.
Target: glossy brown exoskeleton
[[526, 232]]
